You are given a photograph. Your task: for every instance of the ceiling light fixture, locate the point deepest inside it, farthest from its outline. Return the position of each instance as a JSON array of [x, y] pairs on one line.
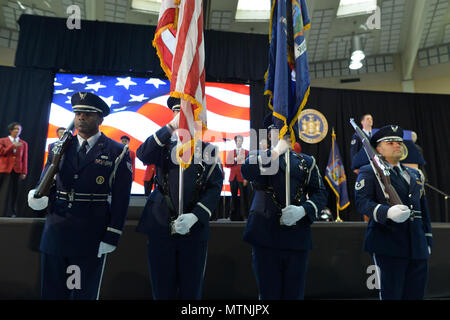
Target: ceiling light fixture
[[355, 65], [358, 54], [350, 8]]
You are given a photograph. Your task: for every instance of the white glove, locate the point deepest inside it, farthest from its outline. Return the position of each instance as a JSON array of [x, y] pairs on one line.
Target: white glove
[[175, 122], [105, 248], [184, 223], [399, 213], [291, 214], [281, 147], [35, 203]]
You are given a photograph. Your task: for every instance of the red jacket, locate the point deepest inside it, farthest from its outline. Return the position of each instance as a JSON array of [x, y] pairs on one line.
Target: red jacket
[[149, 172], [234, 165], [10, 160]]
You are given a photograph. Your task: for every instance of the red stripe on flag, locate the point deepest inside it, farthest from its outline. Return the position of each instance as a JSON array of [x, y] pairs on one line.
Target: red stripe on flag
[[227, 110], [188, 11], [157, 113], [238, 88], [52, 131], [167, 17], [115, 134]]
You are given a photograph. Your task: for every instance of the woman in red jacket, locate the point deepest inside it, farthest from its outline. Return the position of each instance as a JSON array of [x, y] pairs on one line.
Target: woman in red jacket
[[13, 166]]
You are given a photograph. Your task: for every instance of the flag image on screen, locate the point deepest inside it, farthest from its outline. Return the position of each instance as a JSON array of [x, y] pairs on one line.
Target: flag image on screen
[[139, 108]]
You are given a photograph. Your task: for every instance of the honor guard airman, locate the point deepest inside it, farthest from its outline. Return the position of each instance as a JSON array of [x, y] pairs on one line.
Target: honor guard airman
[[280, 235], [398, 237], [177, 244], [88, 204]]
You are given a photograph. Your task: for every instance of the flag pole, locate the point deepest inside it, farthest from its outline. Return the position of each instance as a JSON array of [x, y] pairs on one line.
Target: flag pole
[[180, 189], [180, 192], [288, 178], [287, 181], [333, 138], [180, 185], [338, 219]]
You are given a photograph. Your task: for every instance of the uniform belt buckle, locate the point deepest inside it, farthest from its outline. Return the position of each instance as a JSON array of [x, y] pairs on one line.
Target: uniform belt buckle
[[411, 216], [71, 196]]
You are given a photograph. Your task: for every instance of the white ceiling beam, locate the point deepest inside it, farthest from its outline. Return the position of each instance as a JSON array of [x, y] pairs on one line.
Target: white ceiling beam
[[414, 35]]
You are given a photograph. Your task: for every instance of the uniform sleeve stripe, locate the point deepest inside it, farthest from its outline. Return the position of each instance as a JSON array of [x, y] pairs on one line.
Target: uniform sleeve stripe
[[428, 235], [201, 205], [375, 213], [315, 207], [157, 140], [114, 230]]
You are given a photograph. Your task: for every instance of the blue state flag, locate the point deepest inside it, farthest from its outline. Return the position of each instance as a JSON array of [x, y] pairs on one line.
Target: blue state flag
[[287, 77], [335, 175]]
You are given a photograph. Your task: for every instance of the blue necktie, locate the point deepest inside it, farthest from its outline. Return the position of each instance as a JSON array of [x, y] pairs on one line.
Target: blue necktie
[[398, 172]]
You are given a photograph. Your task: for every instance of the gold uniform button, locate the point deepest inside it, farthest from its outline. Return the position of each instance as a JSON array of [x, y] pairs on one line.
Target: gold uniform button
[[100, 180]]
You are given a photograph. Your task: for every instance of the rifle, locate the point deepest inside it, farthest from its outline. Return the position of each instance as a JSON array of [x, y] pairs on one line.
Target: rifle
[[379, 168], [43, 189]]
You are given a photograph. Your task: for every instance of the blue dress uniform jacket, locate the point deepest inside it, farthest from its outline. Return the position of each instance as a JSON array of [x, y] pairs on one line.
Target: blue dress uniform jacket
[[409, 239], [76, 228], [155, 219], [263, 226], [177, 263]]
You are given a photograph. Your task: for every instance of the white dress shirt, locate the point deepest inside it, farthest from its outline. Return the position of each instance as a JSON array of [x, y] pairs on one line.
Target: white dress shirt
[[404, 173], [90, 142], [13, 139]]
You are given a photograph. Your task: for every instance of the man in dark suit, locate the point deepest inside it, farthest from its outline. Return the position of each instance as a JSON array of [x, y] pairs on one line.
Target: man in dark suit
[[177, 244], [280, 235], [83, 225], [398, 237], [356, 144], [59, 134], [235, 159], [13, 167]]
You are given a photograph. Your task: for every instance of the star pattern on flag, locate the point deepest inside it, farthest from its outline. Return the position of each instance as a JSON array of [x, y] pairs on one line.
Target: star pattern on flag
[[155, 81], [138, 98], [126, 82], [81, 80], [109, 101], [120, 93], [95, 86], [63, 91]]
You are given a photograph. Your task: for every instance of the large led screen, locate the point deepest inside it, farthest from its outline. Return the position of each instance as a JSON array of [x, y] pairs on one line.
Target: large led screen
[[138, 109]]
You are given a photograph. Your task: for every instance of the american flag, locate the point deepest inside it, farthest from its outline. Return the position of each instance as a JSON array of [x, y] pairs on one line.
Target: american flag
[[183, 60], [139, 108]]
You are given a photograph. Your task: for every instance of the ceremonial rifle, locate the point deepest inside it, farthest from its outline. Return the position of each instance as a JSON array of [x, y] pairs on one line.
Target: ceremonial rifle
[[379, 167], [43, 189]]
